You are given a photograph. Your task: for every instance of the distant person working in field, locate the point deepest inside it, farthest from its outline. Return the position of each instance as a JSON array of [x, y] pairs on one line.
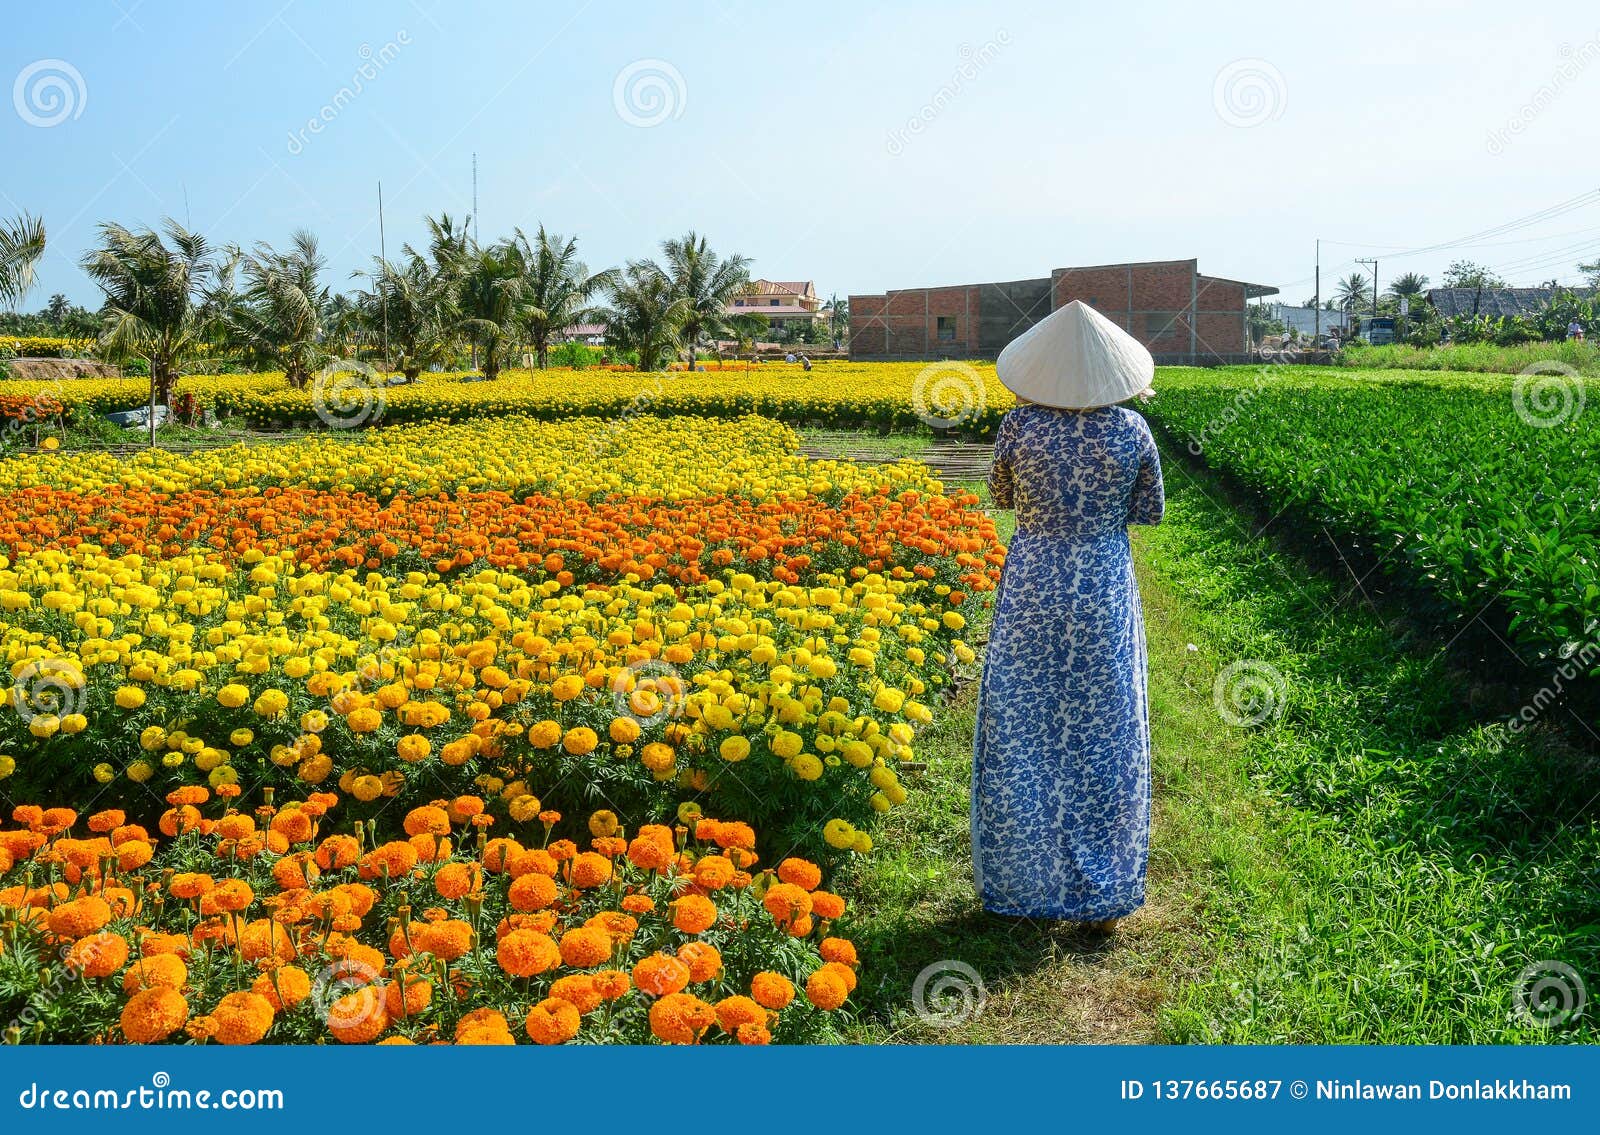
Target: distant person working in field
[[805, 362], [1575, 331], [1061, 757]]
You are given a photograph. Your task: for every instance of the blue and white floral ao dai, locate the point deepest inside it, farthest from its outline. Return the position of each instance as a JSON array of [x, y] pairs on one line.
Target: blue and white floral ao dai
[[1061, 760]]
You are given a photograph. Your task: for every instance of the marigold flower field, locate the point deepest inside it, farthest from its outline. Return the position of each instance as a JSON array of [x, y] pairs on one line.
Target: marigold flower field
[[411, 734], [883, 395]]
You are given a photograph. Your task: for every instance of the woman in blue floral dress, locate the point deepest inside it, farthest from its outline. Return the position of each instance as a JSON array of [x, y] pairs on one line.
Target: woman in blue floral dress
[[1061, 759]]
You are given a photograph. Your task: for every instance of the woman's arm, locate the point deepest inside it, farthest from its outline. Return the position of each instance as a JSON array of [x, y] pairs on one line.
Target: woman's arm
[[1149, 502], [1002, 486]]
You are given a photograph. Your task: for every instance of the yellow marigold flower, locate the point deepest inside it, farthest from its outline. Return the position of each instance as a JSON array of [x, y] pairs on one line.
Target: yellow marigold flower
[[129, 697]]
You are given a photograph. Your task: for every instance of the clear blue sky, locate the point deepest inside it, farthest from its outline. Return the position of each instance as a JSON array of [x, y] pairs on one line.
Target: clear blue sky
[[1047, 134]]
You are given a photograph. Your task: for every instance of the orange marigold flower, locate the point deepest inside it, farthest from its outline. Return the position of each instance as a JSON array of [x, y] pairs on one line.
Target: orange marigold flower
[[840, 950], [786, 903], [680, 1018], [395, 858], [844, 973], [107, 820], [553, 1021], [826, 905], [484, 1022], [497, 853], [284, 987], [702, 958], [190, 885], [265, 938], [532, 892], [611, 983], [427, 820], [79, 917], [523, 953], [826, 989], [638, 904], [406, 997], [533, 861], [754, 1034], [98, 955], [228, 895], [448, 939], [242, 1018], [154, 944], [694, 914], [359, 1017], [650, 852], [590, 870], [739, 1010], [772, 990], [739, 835], [562, 850], [660, 974], [159, 969], [295, 825], [153, 1015], [337, 851], [456, 879], [585, 947], [713, 872], [801, 873], [579, 990]]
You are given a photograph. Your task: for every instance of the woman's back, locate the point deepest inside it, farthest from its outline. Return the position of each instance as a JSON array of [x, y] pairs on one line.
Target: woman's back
[[1076, 474]]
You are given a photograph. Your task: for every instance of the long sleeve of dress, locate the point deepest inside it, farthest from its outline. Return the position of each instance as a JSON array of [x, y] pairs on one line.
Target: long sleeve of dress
[[1002, 484], [1149, 496]]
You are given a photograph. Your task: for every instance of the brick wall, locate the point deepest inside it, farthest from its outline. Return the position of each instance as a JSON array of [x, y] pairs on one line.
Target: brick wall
[[1179, 314]]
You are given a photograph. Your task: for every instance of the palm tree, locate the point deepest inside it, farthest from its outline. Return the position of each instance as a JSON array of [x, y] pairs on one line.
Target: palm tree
[[418, 305], [489, 299], [278, 318], [644, 316], [748, 329], [155, 291], [21, 246], [57, 310], [838, 313], [1408, 285], [556, 287], [1352, 292], [705, 284]]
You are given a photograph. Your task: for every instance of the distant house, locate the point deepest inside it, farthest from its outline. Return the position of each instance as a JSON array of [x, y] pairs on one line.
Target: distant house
[[594, 334], [1452, 302], [1307, 320], [784, 302]]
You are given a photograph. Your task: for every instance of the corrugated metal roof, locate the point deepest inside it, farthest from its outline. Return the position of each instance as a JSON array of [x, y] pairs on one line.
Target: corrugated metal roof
[[1450, 302]]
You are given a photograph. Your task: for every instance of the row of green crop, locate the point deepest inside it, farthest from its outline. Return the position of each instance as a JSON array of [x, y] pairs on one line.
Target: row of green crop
[[1484, 491]]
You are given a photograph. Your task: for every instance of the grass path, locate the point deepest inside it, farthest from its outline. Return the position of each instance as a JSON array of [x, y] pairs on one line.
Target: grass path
[[1362, 865]]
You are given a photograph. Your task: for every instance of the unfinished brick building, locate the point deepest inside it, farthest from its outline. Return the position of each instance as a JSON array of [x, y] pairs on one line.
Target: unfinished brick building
[[1181, 315]]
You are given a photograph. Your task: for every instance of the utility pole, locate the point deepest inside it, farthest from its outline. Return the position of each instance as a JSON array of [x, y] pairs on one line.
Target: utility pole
[[1374, 263], [1316, 303], [383, 270]]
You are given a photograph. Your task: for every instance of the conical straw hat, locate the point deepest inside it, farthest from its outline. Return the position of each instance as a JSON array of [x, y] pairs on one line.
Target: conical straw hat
[[1075, 359]]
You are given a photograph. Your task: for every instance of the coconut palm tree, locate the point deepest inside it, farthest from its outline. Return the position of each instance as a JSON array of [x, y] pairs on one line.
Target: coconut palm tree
[[278, 318], [705, 284], [837, 312], [156, 292], [489, 301], [557, 287], [644, 313], [21, 245], [417, 302], [748, 329], [1407, 285], [1352, 292]]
